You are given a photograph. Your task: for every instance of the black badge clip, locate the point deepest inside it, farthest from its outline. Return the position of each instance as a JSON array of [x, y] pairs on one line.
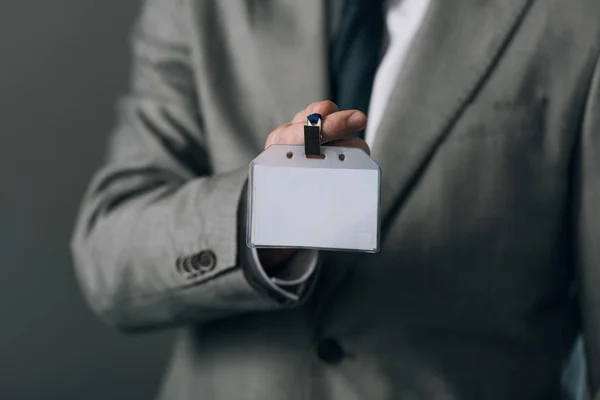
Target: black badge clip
[[312, 135]]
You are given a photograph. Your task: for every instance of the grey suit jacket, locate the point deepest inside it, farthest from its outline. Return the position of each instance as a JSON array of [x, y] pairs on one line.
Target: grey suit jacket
[[490, 153]]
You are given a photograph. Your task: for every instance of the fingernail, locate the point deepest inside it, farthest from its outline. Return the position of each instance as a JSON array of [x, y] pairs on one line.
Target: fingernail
[[357, 120]]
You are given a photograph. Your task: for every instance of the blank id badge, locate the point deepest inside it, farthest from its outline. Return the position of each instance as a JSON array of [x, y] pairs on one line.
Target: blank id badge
[[313, 196]]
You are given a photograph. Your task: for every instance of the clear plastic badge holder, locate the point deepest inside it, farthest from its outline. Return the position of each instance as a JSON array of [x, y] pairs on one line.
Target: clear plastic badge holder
[[330, 201]]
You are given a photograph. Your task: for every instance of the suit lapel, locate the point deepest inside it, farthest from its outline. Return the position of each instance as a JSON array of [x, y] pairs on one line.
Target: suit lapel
[[293, 52], [453, 53]]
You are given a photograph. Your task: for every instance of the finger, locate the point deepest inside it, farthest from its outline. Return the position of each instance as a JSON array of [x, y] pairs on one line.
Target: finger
[[288, 134], [276, 137], [353, 142], [341, 124], [336, 126], [324, 108]]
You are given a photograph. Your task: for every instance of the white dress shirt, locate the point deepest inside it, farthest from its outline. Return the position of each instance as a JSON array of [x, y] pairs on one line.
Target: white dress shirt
[[403, 19]]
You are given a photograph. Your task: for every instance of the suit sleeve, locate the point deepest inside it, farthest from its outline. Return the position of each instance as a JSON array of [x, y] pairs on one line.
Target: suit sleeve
[[587, 233], [157, 239]]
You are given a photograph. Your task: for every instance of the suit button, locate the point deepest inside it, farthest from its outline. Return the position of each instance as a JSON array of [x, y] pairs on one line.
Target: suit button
[[330, 351], [205, 261], [185, 268]]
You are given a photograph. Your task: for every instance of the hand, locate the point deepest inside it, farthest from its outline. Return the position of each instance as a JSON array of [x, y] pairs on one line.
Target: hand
[[336, 126]]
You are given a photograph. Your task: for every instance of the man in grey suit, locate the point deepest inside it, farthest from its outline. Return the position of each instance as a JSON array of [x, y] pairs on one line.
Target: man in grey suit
[[488, 137]]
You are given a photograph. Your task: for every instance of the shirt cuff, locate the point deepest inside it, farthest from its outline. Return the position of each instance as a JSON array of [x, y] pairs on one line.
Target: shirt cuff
[[291, 280], [297, 270]]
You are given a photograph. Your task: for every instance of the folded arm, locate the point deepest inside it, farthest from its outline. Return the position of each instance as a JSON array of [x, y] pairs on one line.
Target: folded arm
[[158, 237]]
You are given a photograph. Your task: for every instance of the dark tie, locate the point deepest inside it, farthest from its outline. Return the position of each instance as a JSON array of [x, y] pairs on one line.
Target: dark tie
[[355, 53]]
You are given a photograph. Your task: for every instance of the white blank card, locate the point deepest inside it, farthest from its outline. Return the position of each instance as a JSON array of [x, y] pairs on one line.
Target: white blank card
[[332, 203]]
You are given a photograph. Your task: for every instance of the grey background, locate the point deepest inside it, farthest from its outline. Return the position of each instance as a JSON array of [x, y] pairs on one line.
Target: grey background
[[63, 64]]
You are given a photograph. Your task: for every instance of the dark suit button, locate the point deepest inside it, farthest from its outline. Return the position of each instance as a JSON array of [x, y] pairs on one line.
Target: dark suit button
[[185, 268], [204, 261], [330, 351]]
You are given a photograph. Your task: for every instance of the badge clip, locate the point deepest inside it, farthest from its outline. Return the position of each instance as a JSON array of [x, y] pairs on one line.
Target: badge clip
[[312, 135]]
